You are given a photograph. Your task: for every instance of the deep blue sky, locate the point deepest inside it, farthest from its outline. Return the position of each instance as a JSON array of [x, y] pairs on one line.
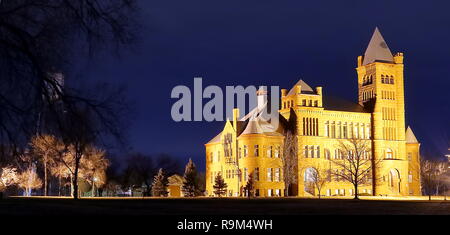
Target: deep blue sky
[[237, 42]]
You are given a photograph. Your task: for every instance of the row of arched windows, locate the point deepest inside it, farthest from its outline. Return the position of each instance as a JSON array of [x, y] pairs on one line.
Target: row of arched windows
[[311, 126], [367, 95], [386, 79], [367, 80], [346, 130], [288, 104], [388, 95], [311, 151]]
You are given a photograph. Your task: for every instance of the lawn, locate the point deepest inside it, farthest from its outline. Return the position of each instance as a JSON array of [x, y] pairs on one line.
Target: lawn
[[215, 206]]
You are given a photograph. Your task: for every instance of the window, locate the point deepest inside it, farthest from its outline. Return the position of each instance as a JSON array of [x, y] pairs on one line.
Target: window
[[382, 79], [409, 156], [344, 131], [317, 152], [277, 192], [327, 129], [316, 103], [410, 178], [333, 130], [327, 154], [304, 102], [389, 154], [256, 150], [256, 176], [392, 80], [269, 151], [277, 174], [277, 152], [311, 151], [211, 157], [310, 103], [328, 192], [245, 151], [239, 153], [269, 192], [269, 175], [339, 130], [305, 151], [245, 174]]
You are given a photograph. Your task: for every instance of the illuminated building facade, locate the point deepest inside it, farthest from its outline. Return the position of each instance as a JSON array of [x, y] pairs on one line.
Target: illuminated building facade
[[250, 145]]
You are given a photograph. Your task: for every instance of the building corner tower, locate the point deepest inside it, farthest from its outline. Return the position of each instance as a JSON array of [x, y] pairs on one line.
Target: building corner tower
[[381, 90]]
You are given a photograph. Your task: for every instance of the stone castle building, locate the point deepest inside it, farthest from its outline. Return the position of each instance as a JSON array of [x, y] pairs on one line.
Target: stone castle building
[[251, 145]]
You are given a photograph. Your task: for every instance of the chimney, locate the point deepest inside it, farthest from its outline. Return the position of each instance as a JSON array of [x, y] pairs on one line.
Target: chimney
[[235, 118]]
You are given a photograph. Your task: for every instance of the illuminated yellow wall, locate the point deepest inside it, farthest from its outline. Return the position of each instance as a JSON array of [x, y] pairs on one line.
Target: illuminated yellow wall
[[383, 126]]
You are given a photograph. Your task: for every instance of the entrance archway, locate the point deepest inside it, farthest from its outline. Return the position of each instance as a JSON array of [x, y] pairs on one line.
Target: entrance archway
[[394, 181]]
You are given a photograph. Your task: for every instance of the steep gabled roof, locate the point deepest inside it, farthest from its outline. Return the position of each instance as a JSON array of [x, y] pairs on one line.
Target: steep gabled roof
[[216, 139], [305, 88], [377, 50], [410, 137], [253, 127]]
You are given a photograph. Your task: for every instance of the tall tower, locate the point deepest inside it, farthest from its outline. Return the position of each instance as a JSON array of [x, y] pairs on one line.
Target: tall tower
[[381, 90]]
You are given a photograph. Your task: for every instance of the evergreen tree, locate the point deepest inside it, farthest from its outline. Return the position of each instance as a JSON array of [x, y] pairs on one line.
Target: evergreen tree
[[159, 185], [190, 185], [250, 185], [220, 187]]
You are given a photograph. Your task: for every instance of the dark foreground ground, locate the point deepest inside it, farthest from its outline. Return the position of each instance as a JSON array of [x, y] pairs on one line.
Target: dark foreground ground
[[281, 206]]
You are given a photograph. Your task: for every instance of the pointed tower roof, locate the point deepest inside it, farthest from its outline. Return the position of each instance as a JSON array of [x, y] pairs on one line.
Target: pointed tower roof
[[410, 137], [377, 50], [305, 88], [253, 127]]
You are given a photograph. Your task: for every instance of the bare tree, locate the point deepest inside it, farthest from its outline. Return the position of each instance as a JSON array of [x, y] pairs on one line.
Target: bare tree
[[29, 180], [289, 160], [249, 187], [320, 175], [8, 177], [93, 168], [140, 169], [432, 175], [355, 163], [45, 147], [36, 41]]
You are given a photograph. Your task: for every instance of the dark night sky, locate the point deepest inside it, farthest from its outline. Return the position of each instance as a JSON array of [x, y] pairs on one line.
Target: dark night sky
[[237, 42]]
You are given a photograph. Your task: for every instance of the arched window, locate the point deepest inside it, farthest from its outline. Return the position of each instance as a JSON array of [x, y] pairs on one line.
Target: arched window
[[382, 78], [389, 154], [392, 80]]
